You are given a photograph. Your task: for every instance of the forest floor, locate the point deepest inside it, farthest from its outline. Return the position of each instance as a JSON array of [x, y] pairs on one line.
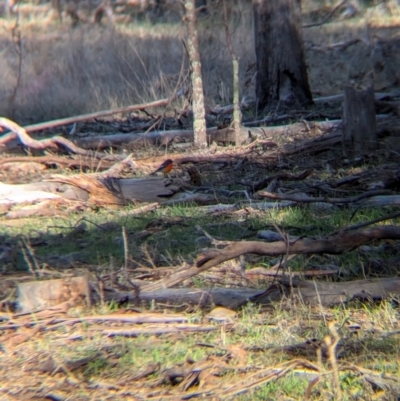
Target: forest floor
[[280, 351]]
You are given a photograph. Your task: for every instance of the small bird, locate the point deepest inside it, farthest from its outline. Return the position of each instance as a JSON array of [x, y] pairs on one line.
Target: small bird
[[165, 167]]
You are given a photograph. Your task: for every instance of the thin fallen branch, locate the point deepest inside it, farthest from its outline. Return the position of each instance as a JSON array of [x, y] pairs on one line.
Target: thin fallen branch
[[55, 323], [338, 98], [82, 162], [280, 176], [310, 199], [389, 216], [98, 114], [336, 46], [187, 328]]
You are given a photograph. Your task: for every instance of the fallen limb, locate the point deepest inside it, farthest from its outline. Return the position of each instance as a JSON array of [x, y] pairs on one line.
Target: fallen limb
[[310, 199], [97, 114], [187, 328], [55, 142], [337, 244], [49, 160]]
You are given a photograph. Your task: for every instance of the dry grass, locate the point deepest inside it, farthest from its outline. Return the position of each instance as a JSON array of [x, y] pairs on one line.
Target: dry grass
[[80, 363], [71, 71], [67, 71]]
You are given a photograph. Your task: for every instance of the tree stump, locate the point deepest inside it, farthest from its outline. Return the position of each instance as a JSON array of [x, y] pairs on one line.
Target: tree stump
[[359, 119]]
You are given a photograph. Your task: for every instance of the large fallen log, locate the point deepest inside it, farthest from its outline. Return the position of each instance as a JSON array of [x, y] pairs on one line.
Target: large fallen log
[[92, 189], [311, 292]]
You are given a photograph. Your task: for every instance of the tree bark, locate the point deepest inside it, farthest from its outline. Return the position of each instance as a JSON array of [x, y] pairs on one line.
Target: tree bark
[[281, 70], [359, 119], [199, 113]]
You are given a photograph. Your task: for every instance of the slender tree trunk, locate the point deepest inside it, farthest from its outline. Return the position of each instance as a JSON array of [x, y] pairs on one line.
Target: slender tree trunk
[[237, 115], [281, 70], [199, 114]]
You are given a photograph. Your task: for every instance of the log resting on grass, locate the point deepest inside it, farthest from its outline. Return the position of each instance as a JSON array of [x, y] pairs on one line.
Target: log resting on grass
[[310, 292]]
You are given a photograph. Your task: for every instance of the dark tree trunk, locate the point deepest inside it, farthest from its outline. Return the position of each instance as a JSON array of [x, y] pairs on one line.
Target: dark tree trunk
[[359, 119], [281, 70]]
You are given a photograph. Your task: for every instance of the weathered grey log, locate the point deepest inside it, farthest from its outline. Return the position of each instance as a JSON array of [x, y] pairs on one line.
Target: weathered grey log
[[359, 119], [227, 297], [311, 292]]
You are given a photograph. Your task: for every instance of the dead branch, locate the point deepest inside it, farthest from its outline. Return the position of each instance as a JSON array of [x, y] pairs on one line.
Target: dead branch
[[341, 46], [25, 139], [379, 96], [280, 176], [81, 162], [310, 199], [98, 114], [179, 328], [336, 244]]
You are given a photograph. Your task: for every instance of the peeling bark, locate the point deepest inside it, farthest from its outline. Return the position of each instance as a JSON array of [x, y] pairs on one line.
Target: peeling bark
[[199, 112]]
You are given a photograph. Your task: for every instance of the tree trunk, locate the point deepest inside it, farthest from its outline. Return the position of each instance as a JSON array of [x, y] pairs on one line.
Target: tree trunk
[[199, 113], [281, 70], [359, 119]]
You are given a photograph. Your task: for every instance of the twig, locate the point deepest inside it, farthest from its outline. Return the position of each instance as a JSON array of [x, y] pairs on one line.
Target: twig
[[368, 223]]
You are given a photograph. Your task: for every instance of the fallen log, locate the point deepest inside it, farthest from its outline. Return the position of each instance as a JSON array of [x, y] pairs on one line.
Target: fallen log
[[311, 292], [97, 114], [93, 189]]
